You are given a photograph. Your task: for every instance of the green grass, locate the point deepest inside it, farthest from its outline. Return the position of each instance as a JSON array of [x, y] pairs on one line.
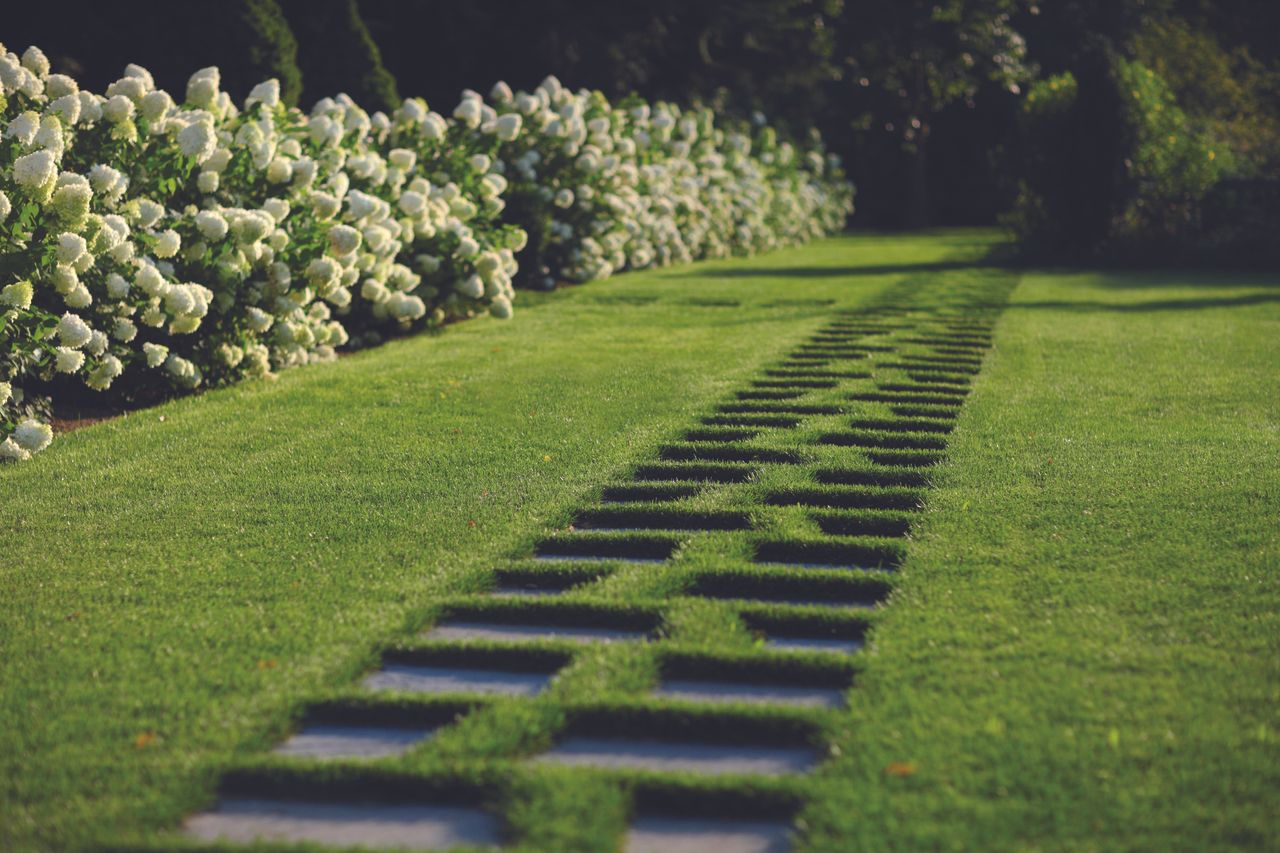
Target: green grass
[[1084, 651], [1081, 652]]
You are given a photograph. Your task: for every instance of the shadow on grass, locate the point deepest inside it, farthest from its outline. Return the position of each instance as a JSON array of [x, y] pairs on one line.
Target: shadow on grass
[[842, 272], [1153, 305]]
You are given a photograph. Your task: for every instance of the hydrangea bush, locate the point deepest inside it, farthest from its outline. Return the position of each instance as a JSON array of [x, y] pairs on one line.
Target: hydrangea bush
[[150, 243]]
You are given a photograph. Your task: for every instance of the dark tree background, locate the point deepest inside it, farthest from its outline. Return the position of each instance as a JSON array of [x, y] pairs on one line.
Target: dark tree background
[[925, 99]]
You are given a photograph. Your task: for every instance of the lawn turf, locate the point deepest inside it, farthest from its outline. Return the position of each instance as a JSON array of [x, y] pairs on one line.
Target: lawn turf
[[1081, 652], [175, 582]]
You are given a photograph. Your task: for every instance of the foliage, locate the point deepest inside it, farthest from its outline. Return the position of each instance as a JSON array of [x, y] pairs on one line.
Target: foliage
[[176, 246], [1110, 161], [274, 54], [1229, 93], [338, 54], [1171, 162]]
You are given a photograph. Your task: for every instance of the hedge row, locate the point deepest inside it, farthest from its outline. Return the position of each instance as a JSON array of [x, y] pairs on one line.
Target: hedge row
[[149, 245]]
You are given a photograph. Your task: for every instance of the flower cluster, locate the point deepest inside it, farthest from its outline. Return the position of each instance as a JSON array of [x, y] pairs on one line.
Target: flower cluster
[[605, 187], [149, 241]]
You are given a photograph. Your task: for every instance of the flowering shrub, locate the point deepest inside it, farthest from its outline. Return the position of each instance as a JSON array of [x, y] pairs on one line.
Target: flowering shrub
[[604, 187], [159, 243]]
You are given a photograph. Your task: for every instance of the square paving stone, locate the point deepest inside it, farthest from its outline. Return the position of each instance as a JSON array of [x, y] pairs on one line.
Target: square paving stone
[[337, 741], [753, 693], [676, 756], [460, 630], [698, 835], [413, 678], [512, 591], [783, 643], [416, 827], [595, 558]]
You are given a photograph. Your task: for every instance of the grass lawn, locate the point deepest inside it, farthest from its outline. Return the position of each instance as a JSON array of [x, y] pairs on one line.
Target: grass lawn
[[1081, 651]]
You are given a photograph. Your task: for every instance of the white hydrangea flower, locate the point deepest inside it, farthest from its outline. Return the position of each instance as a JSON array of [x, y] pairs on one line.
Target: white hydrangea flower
[[507, 127], [155, 353], [147, 212], [124, 330], [500, 307], [70, 248], [101, 377], [150, 280], [32, 436], [73, 331], [6, 391], [266, 93], [71, 196], [412, 203], [97, 343], [326, 206], [402, 159], [259, 320], [279, 171], [118, 108], [168, 244], [36, 62], [155, 106], [202, 87], [404, 306], [78, 297], [67, 360], [117, 286], [60, 85], [211, 224], [35, 170], [218, 160], [90, 108], [343, 239], [66, 108], [9, 449], [468, 112], [276, 208], [17, 295], [198, 141], [207, 182]]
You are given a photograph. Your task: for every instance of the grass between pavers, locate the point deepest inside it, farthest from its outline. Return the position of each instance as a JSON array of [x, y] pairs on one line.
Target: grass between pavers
[[850, 801], [177, 583], [1083, 652]]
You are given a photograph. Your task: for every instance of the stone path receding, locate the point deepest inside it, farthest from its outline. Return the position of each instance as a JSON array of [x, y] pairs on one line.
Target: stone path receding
[[411, 678], [340, 824], [496, 631], [697, 835], [339, 741], [752, 693], [707, 610], [667, 756]]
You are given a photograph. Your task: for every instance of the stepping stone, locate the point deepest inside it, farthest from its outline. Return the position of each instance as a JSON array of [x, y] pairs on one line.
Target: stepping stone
[[416, 827], [794, 601], [413, 678], [699, 835], [677, 756], [754, 693], [512, 591], [589, 558], [586, 547], [336, 741], [793, 643], [507, 632]]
